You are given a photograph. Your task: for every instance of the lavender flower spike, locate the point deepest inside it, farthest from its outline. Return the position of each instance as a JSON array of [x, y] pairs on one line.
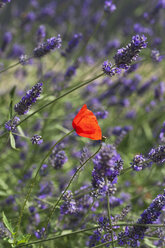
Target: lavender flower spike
[[140, 162], [46, 47], [69, 205], [109, 69], [26, 102], [132, 235], [157, 155], [11, 124], [126, 55]]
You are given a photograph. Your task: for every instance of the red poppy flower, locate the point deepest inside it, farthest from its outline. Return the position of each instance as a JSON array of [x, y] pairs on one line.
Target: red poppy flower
[[86, 125]]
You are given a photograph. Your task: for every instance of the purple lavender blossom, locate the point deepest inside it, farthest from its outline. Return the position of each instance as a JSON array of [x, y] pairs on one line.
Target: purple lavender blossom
[[107, 164], [4, 2], [28, 18], [103, 233], [58, 158], [155, 55], [85, 154], [11, 124], [109, 7], [47, 11], [115, 201], [28, 100], [123, 214], [162, 133], [46, 47], [41, 33], [114, 44], [101, 114], [146, 85], [4, 232], [159, 91], [109, 70], [132, 235], [160, 5], [44, 170], [69, 205], [157, 155], [125, 56], [32, 209], [17, 50], [7, 38], [140, 162], [94, 239], [37, 140], [73, 43], [39, 233], [70, 72], [23, 59], [131, 114], [45, 190], [10, 199], [138, 28]]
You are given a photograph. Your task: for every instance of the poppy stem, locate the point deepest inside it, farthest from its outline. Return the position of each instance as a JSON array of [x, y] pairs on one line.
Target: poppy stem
[[63, 193], [33, 183]]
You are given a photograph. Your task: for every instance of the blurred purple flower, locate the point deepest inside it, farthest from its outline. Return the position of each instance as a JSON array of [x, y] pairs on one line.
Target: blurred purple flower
[[109, 7]]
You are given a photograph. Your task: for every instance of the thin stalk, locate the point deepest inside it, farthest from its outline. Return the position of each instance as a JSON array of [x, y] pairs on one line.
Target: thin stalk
[[86, 230], [44, 201], [126, 170], [60, 97], [58, 236], [129, 168], [71, 180], [33, 184], [101, 245], [9, 67], [109, 213], [14, 65], [135, 224]]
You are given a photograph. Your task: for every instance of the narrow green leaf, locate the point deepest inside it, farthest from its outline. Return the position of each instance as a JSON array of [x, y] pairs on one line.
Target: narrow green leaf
[[6, 222], [147, 131], [149, 243], [20, 130], [12, 142]]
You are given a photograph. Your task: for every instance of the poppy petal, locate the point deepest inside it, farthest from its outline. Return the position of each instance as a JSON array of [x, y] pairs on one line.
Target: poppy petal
[[86, 125]]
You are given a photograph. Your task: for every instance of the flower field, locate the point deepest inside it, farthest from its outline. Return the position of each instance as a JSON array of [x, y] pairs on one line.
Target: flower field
[[82, 123]]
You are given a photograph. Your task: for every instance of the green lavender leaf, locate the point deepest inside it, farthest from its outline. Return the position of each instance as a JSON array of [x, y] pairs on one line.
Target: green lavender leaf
[[12, 142], [6, 223]]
